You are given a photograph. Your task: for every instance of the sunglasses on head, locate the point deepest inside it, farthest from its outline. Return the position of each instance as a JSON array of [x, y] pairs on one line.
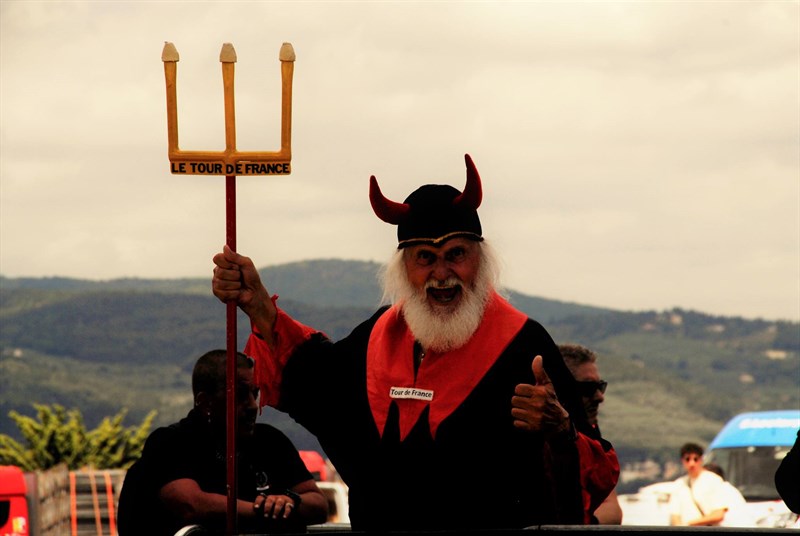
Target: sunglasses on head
[[588, 389]]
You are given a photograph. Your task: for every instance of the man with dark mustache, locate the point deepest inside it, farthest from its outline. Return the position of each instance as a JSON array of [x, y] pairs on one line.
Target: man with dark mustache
[[582, 363], [449, 409]]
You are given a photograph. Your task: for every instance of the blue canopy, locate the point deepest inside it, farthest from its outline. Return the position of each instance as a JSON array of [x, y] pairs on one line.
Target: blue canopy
[[759, 429]]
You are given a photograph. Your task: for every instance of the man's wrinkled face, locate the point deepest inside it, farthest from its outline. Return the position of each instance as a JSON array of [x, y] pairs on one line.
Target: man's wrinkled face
[[442, 273], [587, 372]]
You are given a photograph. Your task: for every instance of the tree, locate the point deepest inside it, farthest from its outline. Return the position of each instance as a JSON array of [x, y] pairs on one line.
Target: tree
[[60, 436]]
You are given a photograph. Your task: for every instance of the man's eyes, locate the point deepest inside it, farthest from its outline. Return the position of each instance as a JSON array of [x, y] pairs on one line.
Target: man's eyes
[[426, 258], [455, 254]]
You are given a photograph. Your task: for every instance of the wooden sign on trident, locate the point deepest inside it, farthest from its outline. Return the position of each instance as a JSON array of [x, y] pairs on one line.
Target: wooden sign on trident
[[230, 163]]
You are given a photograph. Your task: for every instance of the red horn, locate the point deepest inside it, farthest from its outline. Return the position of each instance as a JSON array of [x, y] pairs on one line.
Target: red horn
[[386, 209], [472, 194]]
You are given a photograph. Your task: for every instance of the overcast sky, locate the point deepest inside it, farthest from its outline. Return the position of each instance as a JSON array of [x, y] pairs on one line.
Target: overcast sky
[[635, 155]]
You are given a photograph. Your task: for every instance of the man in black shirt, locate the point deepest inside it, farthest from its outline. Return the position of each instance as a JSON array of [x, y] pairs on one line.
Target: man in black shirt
[[181, 477]]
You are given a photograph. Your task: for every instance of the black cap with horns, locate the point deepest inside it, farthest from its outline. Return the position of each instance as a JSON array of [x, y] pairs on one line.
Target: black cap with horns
[[433, 213]]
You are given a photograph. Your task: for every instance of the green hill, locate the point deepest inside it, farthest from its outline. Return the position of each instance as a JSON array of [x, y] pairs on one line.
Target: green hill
[[674, 376]]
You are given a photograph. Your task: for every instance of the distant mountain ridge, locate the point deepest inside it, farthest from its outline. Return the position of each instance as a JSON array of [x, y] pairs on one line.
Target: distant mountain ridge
[[322, 282], [674, 375]]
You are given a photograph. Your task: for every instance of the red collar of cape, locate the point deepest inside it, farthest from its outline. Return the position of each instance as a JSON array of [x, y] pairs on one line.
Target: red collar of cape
[[444, 380]]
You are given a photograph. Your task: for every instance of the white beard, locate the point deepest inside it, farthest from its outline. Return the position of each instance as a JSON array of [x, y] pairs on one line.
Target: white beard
[[441, 329]]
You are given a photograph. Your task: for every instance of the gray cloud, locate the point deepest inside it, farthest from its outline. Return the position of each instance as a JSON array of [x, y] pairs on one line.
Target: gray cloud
[[635, 155]]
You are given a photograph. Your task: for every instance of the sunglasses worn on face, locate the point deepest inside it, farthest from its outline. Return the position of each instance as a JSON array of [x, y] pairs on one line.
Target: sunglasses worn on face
[[691, 458], [588, 389]]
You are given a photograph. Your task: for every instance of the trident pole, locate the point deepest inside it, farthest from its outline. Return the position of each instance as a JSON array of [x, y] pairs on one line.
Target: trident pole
[[228, 58], [230, 163]]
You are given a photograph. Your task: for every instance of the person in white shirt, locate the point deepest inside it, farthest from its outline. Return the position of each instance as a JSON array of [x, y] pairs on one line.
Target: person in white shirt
[[700, 497], [735, 516]]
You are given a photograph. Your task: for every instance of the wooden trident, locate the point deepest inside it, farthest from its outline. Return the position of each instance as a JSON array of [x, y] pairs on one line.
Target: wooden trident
[[230, 163]]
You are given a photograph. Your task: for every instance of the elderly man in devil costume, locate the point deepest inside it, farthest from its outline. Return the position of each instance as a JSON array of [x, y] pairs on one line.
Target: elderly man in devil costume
[[449, 409]]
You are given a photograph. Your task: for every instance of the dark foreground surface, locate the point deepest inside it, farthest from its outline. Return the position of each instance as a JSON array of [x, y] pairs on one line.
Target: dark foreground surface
[[575, 530], [546, 529]]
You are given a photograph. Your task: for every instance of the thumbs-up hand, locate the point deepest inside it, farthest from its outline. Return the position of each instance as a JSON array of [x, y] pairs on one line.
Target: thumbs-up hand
[[536, 407]]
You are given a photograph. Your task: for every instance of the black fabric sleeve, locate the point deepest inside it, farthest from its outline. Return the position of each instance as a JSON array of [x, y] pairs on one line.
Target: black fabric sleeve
[[787, 477], [319, 381]]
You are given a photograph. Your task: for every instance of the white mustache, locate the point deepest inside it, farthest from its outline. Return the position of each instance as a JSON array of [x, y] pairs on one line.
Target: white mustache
[[451, 281]]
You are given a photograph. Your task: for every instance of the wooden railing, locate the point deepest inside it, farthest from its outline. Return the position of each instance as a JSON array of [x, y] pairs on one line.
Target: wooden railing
[[48, 501]]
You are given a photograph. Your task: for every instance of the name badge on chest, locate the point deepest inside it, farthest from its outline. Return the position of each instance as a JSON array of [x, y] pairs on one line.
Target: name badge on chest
[[411, 392]]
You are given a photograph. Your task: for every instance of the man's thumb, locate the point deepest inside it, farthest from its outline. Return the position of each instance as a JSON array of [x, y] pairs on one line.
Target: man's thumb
[[538, 371], [230, 255]]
